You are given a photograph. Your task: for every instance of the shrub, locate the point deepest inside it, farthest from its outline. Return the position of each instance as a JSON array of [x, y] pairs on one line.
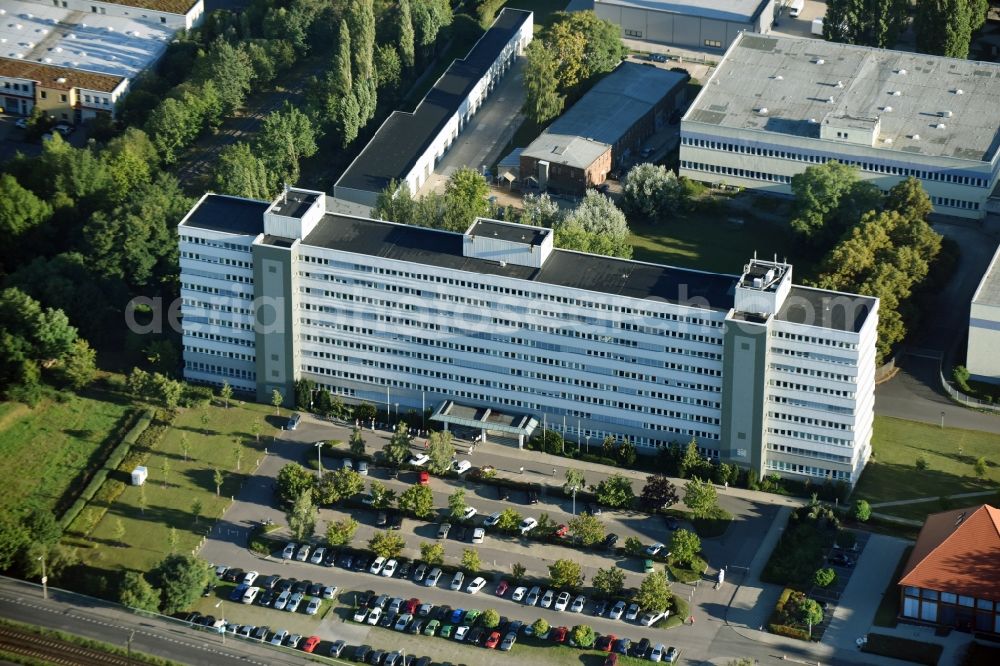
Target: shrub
[[862, 511], [961, 376], [921, 463], [824, 577]]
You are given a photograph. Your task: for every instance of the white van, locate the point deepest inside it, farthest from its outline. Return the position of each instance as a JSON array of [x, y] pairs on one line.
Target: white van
[[795, 7]]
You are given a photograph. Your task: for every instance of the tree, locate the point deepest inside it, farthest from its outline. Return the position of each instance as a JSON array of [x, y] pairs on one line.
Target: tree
[[465, 199], [218, 477], [398, 449], [944, 27], [405, 34], [357, 442], [625, 453], [543, 101], [277, 399], [701, 497], [301, 517], [654, 592], [20, 210], [341, 105], [172, 126], [868, 24], [43, 527], [432, 553], [255, 429], [828, 200], [228, 66], [609, 582], [14, 536], [824, 577], [810, 612], [565, 573], [539, 627], [361, 21], [338, 485], [165, 468], [981, 467], [658, 493], [78, 366], [586, 529], [862, 511], [285, 137], [652, 191], [418, 500], [143, 503], [633, 546], [470, 560], [341, 532], [490, 618], [382, 497], [509, 520], [584, 636], [456, 504], [118, 531], [386, 544], [615, 491], [185, 447], [441, 452], [684, 547], [574, 479], [173, 539], [196, 506], [241, 172], [596, 226], [603, 47], [293, 480], [517, 571], [909, 198], [180, 578], [921, 463], [429, 16], [539, 210], [135, 591]]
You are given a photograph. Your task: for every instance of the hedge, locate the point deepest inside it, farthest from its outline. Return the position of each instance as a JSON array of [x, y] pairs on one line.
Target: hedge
[[115, 458], [791, 632], [906, 649]]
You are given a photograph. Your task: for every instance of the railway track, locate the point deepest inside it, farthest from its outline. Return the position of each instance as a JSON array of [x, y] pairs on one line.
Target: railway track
[[54, 651]]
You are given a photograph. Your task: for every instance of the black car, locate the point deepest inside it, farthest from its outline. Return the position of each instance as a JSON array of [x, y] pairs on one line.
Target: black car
[[382, 519], [330, 559], [476, 636], [423, 661], [458, 533], [593, 509], [408, 659], [233, 575], [610, 541], [640, 649], [503, 493], [284, 585], [265, 598], [377, 657], [363, 598], [416, 627], [260, 633], [207, 621], [403, 570], [395, 521], [388, 620], [194, 618], [345, 561], [362, 562], [842, 560], [441, 613], [622, 645], [268, 583], [514, 627], [501, 627], [315, 590], [532, 497], [361, 653], [301, 586], [601, 608], [672, 523]]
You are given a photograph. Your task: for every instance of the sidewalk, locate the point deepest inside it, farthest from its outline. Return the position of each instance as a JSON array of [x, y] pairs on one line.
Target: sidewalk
[[752, 602]]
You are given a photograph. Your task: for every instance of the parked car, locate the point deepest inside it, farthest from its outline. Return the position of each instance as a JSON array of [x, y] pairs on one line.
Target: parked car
[[314, 604], [549, 597], [250, 595], [432, 627], [330, 592], [478, 534], [457, 580], [317, 556], [390, 568], [477, 584], [502, 588], [419, 460], [601, 608], [518, 593], [652, 617], [469, 513], [403, 621], [65, 129], [361, 653], [374, 616], [508, 641], [527, 525], [376, 567], [443, 530], [605, 643], [433, 577], [671, 655], [362, 468], [654, 549], [842, 560], [461, 632], [361, 614], [337, 647], [640, 649], [424, 478], [237, 593], [310, 644], [461, 466], [279, 637], [558, 634], [533, 596], [233, 575], [303, 553], [617, 610], [622, 645], [492, 640], [260, 633], [293, 603], [293, 421], [420, 572], [658, 652], [632, 614], [578, 604]]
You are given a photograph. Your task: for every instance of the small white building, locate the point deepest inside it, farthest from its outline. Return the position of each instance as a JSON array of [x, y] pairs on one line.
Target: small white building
[[983, 355], [139, 475]]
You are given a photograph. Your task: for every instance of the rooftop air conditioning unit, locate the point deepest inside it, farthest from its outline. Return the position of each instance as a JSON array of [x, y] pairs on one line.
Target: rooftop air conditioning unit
[[915, 137], [901, 71], [887, 109], [946, 114], [762, 111], [940, 126], [829, 100], [896, 93], [819, 61], [840, 84], [61, 79], [959, 92]]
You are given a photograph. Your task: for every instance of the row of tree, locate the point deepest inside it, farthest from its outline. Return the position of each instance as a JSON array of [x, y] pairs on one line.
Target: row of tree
[[942, 27]]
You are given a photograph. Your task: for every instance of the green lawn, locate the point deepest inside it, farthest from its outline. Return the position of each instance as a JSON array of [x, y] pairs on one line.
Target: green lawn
[[49, 449], [950, 452], [710, 241], [170, 505]]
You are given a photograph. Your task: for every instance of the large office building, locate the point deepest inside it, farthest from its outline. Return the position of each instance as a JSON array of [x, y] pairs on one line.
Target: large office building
[[762, 372], [699, 25], [604, 128], [74, 59], [408, 146], [983, 351], [776, 105]]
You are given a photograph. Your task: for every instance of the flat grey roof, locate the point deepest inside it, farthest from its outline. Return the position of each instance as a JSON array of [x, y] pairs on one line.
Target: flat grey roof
[[486, 418], [725, 10], [232, 215], [988, 292], [604, 114], [294, 203], [516, 233], [784, 75], [826, 309]]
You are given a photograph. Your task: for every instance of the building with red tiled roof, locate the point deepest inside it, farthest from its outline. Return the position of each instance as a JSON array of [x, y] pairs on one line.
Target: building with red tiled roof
[[953, 575]]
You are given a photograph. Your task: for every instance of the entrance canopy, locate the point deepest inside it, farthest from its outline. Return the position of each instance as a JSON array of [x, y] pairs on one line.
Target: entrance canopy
[[485, 419]]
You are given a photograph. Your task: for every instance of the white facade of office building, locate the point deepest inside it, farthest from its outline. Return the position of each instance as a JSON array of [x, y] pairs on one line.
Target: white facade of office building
[[405, 318], [983, 352]]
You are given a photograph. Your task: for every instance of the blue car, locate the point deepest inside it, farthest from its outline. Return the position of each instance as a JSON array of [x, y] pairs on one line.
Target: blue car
[[237, 593], [456, 615]]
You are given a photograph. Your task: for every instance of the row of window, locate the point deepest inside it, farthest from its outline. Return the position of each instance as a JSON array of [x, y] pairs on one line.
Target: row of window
[[814, 340], [808, 420], [810, 436], [218, 352], [812, 356], [808, 470], [221, 370], [873, 167], [809, 388], [221, 305], [215, 337], [809, 453], [734, 171], [809, 404], [13, 85], [211, 259], [205, 289], [948, 202], [224, 245], [94, 99], [810, 372], [950, 609]]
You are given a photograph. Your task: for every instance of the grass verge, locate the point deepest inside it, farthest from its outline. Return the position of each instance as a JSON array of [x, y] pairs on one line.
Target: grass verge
[[918, 652], [888, 608]]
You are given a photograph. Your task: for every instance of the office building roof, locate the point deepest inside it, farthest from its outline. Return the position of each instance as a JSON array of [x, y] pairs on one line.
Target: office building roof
[[294, 203], [231, 215], [726, 10], [914, 103], [404, 136], [118, 46], [602, 116], [957, 551], [988, 292], [825, 309], [517, 233]]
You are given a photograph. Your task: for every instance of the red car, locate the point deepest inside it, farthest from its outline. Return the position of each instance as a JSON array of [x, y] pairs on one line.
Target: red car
[[411, 606], [502, 588], [310, 644], [605, 643], [561, 531], [611, 660], [559, 634], [493, 640], [424, 479]]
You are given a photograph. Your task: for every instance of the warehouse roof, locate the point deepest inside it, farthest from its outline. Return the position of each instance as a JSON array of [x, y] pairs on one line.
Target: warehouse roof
[[404, 136], [725, 10], [988, 292], [58, 78], [923, 104], [167, 6]]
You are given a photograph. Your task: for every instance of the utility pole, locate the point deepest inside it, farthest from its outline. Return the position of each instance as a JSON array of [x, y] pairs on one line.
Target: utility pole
[[45, 578], [128, 645], [319, 455]]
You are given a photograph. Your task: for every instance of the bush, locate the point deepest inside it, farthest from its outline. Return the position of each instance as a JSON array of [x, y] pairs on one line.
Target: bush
[[961, 376], [824, 577], [921, 463], [862, 511]]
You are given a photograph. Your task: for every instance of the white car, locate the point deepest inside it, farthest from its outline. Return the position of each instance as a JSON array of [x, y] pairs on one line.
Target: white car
[[518, 593], [425, 610], [433, 577], [390, 568], [657, 653], [461, 632], [279, 637], [289, 551], [532, 598], [461, 466], [528, 524], [550, 595], [361, 614], [303, 553], [650, 618], [317, 556], [478, 535], [374, 616], [249, 577], [492, 519], [469, 513], [282, 600], [616, 611], [419, 461], [562, 601], [376, 567], [477, 584], [330, 591], [313, 607], [250, 595], [457, 580], [654, 549], [293, 603], [578, 604], [632, 614]]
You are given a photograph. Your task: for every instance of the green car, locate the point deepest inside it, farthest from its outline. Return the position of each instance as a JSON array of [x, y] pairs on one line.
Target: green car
[[471, 615], [446, 630], [431, 628]]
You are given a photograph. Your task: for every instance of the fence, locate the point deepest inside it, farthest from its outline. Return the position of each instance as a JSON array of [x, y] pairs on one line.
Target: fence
[[967, 400]]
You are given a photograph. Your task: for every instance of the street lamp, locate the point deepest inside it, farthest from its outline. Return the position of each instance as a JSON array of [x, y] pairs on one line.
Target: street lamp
[[942, 420], [396, 405], [128, 645], [319, 456], [588, 444], [45, 578], [222, 612], [574, 489]]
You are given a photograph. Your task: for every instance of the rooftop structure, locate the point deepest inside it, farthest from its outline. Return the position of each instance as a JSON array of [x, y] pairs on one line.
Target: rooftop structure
[[894, 101], [724, 10], [405, 138]]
